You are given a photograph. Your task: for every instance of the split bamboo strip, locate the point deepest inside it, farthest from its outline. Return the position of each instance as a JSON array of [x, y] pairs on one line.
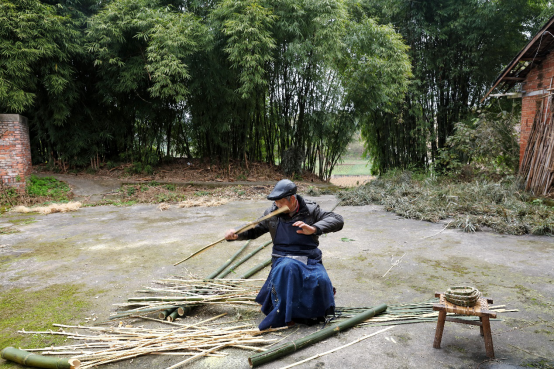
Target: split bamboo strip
[[199, 355], [228, 262], [242, 260], [179, 293], [242, 229], [336, 349], [287, 348], [125, 343], [256, 268], [537, 165]]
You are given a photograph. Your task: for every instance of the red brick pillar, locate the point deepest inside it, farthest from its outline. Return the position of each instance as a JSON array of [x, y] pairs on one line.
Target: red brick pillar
[[15, 151]]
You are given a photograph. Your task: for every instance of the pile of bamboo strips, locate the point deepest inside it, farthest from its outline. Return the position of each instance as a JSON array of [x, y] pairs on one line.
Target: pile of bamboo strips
[[204, 338], [112, 344], [180, 293], [404, 314], [537, 165]]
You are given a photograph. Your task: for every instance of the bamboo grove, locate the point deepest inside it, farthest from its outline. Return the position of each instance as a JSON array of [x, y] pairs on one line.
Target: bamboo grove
[[276, 81], [457, 48], [285, 81]]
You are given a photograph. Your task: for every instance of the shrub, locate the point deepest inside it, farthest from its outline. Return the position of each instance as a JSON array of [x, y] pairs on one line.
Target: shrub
[[488, 142]]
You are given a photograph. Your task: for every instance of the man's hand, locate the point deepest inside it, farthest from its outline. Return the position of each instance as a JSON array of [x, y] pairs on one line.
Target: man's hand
[[304, 228], [231, 235]]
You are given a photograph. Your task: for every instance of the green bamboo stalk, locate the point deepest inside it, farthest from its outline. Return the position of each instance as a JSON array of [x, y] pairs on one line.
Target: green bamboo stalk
[[256, 268], [120, 314], [242, 260], [183, 310], [28, 359], [228, 262], [172, 316], [290, 347], [165, 313]]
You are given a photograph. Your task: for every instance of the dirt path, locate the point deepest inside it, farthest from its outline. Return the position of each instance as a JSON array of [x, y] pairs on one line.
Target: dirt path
[[106, 253]]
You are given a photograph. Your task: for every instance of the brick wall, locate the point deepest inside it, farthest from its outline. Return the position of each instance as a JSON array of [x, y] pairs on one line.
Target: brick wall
[[540, 78], [15, 150]]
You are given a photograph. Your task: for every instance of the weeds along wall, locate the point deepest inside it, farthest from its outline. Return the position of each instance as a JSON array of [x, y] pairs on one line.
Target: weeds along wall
[[537, 87], [15, 151]]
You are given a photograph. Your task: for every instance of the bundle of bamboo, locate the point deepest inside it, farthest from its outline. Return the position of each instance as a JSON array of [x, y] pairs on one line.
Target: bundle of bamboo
[[404, 314], [537, 165], [179, 292], [112, 344]]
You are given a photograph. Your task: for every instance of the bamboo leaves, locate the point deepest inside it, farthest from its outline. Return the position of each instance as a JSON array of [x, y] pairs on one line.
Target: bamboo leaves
[[247, 24]]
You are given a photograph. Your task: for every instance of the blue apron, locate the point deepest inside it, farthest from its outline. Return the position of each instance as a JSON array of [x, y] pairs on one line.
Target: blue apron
[[288, 242], [294, 289]]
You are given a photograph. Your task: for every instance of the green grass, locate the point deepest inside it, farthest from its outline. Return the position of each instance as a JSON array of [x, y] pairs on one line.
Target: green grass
[[37, 310], [353, 167], [47, 187], [353, 162], [23, 221]]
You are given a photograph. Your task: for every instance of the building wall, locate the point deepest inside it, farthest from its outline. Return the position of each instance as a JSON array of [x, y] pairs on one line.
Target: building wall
[[539, 79], [15, 151]]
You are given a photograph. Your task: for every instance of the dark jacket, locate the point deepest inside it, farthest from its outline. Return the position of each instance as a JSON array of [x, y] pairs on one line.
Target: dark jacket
[[309, 212]]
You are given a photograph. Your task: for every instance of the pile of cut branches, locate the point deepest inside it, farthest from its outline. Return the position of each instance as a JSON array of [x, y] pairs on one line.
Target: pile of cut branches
[[501, 206]]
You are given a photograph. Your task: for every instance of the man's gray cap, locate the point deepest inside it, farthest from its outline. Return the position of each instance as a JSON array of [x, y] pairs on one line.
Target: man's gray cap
[[282, 189]]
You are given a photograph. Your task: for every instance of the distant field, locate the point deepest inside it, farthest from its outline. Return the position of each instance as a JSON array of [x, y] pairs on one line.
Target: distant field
[[353, 167], [350, 181]]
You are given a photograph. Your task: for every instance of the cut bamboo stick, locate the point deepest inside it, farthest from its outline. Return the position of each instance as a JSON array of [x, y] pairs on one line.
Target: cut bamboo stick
[[28, 359], [288, 348], [242, 229]]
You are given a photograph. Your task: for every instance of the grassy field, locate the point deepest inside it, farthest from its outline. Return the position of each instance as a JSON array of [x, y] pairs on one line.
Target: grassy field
[[354, 169], [353, 163]]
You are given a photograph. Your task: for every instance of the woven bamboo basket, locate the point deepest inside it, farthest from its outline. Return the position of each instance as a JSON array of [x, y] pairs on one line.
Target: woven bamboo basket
[[462, 295]]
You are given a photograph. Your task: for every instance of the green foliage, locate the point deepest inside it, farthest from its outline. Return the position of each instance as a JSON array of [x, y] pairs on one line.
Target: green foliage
[[457, 48], [245, 79], [8, 194], [36, 44], [488, 142], [47, 187], [247, 26], [140, 168], [130, 190]]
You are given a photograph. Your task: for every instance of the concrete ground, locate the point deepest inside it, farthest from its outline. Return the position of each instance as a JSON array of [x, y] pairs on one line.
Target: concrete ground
[[116, 250]]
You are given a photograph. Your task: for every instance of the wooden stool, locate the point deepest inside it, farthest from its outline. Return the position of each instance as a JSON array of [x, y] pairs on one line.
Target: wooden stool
[[480, 309]]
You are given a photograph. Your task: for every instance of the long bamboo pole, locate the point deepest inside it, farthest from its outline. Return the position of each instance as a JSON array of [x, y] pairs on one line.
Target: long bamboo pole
[[242, 260], [256, 268], [227, 263], [248, 226], [287, 348]]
